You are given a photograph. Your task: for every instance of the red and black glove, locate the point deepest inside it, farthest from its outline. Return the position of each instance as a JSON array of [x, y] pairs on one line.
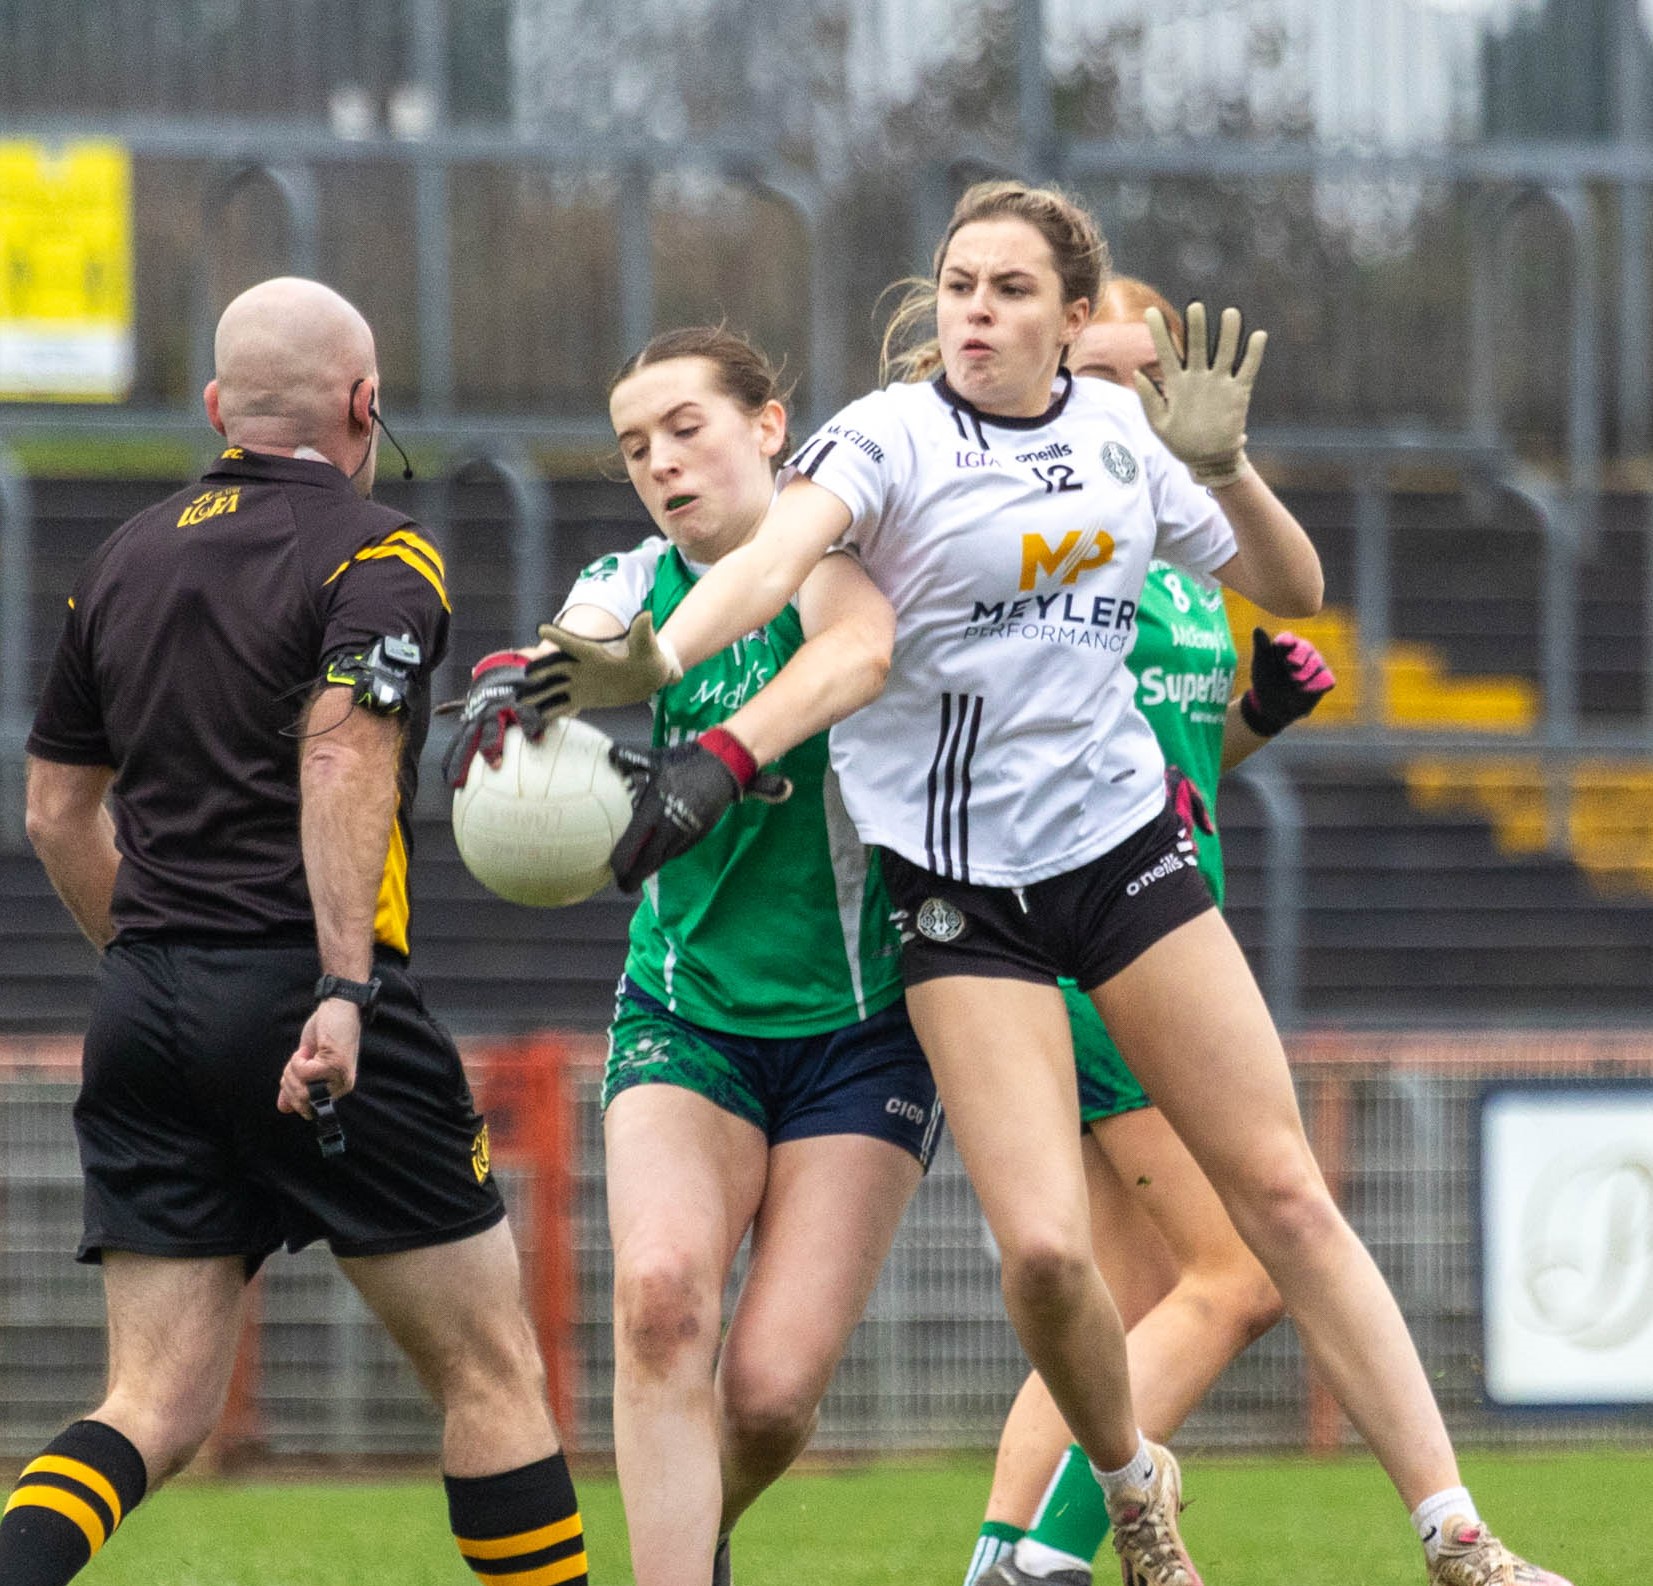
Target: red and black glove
[[680, 794], [1289, 677], [492, 703], [1187, 802]]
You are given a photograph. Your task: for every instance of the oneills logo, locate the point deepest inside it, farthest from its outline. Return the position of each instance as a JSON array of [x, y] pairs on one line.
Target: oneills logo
[[1073, 554], [479, 1155]]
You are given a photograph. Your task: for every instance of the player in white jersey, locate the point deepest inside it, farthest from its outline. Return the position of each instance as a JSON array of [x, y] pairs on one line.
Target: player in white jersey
[[1190, 1293], [1010, 519]]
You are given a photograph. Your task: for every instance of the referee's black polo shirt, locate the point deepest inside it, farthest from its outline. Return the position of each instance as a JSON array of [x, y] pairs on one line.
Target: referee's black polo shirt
[[194, 637]]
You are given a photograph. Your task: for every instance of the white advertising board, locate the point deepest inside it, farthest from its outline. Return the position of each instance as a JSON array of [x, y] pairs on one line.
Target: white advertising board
[[1567, 1244]]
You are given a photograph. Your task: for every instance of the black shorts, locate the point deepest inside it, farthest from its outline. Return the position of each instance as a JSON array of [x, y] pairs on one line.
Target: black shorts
[[1087, 923], [183, 1149]]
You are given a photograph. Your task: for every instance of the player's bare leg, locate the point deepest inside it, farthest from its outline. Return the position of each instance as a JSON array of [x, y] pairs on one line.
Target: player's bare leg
[[1192, 1296], [1222, 1298], [174, 1326], [173, 1329], [1215, 1066], [827, 1222], [1139, 1270], [1014, 1114], [1014, 1110], [685, 1179], [457, 1311]]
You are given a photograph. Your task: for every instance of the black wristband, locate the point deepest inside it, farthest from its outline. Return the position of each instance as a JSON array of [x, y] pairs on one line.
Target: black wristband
[[1251, 713], [364, 993]]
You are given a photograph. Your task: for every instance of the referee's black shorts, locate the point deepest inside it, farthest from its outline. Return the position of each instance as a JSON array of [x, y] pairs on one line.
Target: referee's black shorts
[[1087, 923], [185, 1154]]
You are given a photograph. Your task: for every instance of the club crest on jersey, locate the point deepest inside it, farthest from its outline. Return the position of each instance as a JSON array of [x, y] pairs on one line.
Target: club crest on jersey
[[1119, 462], [480, 1156], [939, 921]]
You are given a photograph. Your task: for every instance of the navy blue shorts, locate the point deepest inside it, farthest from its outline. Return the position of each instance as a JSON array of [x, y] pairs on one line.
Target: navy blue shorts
[[868, 1078]]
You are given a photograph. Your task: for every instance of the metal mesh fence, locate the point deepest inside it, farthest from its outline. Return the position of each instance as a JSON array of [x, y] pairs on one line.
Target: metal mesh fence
[[934, 1364]]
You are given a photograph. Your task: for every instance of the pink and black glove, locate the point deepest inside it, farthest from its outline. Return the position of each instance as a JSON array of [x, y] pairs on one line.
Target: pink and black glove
[[1187, 802], [680, 794], [492, 703], [1289, 677]]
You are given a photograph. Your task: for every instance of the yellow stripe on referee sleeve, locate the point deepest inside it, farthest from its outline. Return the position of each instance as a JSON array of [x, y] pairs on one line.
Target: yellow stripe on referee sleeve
[[335, 573], [413, 559], [390, 913], [523, 1542], [89, 1476], [71, 1508], [422, 546], [546, 1575]]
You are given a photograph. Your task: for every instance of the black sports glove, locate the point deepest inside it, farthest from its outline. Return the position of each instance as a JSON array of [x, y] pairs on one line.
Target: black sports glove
[[1188, 802], [680, 794], [491, 704], [1289, 677]]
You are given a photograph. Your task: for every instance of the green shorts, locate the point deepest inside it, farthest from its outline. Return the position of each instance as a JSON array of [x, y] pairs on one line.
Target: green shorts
[[1106, 1086]]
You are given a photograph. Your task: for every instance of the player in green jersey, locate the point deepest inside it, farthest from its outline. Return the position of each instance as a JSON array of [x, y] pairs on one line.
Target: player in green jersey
[[1191, 1293], [762, 1076]]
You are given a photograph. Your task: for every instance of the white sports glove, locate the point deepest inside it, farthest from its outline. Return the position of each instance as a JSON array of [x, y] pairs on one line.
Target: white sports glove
[[1200, 414]]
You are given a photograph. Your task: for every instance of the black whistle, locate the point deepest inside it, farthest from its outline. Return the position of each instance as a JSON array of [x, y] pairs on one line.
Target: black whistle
[[329, 1131]]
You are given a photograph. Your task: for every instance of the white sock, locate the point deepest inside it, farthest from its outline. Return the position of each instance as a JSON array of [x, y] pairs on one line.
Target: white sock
[[989, 1550], [1454, 1503], [1038, 1558], [1139, 1473]]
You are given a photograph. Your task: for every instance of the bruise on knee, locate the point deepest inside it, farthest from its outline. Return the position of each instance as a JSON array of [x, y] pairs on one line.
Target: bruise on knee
[[660, 1316]]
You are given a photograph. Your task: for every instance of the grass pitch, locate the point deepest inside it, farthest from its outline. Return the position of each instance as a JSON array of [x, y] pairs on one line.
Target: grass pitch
[[1249, 1523]]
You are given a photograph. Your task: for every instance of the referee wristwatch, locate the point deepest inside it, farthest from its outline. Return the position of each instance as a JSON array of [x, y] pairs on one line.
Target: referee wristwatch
[[364, 993]]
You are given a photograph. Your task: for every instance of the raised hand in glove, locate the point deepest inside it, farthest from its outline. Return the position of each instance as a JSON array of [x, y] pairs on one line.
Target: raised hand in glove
[[1289, 677], [492, 703], [1187, 802], [680, 794], [1199, 409], [588, 674]]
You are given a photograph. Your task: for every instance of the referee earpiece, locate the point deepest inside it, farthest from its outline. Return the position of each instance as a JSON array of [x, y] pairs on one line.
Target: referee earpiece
[[378, 418], [374, 416]]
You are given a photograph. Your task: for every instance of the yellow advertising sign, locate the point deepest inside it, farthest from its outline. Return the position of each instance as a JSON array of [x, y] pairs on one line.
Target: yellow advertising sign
[[65, 271]]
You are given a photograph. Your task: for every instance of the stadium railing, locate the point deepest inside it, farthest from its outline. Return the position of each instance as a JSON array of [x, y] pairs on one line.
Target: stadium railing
[[934, 1364]]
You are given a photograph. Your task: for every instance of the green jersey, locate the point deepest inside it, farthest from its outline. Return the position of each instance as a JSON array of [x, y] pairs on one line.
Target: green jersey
[[1184, 663], [776, 923]]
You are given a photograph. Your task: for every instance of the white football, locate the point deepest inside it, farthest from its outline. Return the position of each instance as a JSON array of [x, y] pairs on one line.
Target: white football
[[538, 827]]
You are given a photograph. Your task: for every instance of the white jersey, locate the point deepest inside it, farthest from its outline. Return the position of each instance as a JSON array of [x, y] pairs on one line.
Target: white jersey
[[1006, 746]]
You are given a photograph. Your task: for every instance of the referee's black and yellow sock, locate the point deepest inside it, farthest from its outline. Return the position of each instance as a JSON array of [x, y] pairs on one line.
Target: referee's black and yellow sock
[[520, 1528], [67, 1504]]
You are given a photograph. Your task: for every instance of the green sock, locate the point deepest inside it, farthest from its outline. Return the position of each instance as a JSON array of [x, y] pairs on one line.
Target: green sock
[[1072, 1515], [995, 1541]]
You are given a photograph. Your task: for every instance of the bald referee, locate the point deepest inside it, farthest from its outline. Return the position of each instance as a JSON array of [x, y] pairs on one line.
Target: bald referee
[[220, 777]]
